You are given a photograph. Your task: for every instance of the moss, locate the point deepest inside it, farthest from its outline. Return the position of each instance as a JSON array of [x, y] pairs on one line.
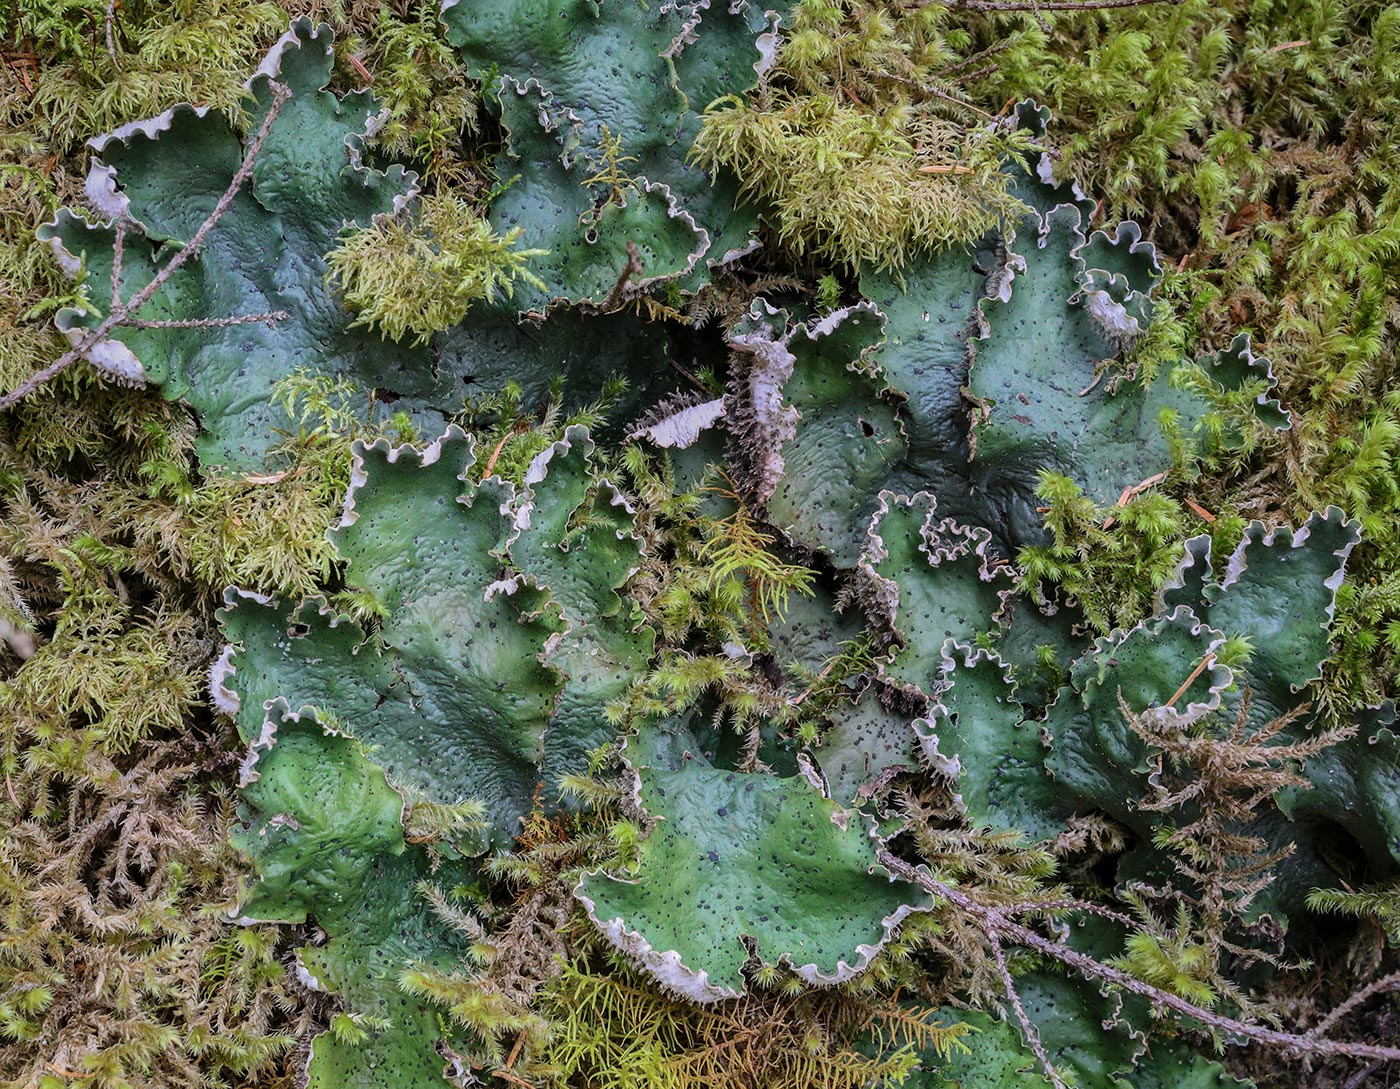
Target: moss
[[78, 75], [856, 187], [117, 859], [1108, 561], [848, 141], [118, 965], [428, 101], [1252, 138], [612, 1029], [421, 277]]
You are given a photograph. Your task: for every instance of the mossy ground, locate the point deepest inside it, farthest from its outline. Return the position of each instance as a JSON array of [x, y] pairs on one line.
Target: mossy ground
[[1255, 140]]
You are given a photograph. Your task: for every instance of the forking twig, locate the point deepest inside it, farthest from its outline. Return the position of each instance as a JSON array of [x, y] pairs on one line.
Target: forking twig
[[997, 927], [1380, 986], [121, 312]]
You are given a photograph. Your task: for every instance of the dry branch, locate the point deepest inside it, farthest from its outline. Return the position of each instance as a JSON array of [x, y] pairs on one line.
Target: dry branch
[[121, 313], [997, 926]]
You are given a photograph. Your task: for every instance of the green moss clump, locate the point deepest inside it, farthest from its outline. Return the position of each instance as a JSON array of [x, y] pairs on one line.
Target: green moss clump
[[855, 187], [849, 141], [421, 277], [613, 1030], [1109, 562], [118, 964], [428, 101]]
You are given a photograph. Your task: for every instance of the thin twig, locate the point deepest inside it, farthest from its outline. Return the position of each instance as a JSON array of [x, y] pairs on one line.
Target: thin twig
[[1028, 1028], [808, 690], [111, 18], [1132, 491], [976, 58], [1100, 369], [17, 63], [1385, 983], [269, 317], [1072, 905], [515, 1051], [360, 69], [995, 923], [491, 461], [1201, 511], [978, 73], [1361, 1076], [118, 246], [928, 89], [122, 312], [689, 377], [633, 267], [956, 101]]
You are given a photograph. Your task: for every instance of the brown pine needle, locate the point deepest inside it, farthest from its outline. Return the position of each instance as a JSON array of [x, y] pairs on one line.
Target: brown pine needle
[[1205, 664]]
